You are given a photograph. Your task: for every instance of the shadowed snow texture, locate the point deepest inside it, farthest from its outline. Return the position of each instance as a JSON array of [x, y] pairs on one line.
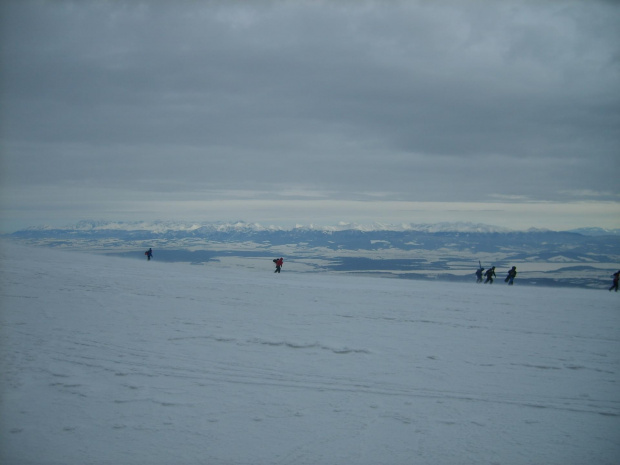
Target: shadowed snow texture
[[115, 361]]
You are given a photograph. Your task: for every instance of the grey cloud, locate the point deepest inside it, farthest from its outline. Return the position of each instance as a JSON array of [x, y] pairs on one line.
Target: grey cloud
[[415, 98]]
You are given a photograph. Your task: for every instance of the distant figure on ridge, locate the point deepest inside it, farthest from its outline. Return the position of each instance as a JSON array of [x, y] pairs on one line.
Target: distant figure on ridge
[[511, 275], [149, 254], [616, 276], [279, 262], [479, 272], [490, 274]]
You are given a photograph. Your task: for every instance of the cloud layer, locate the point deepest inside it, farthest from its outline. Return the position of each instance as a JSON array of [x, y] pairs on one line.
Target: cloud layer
[[412, 101]]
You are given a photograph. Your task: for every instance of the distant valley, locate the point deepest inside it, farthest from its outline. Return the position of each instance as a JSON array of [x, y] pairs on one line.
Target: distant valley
[[446, 252]]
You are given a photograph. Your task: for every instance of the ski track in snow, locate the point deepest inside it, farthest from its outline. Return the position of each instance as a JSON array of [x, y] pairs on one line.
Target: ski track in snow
[[107, 360]]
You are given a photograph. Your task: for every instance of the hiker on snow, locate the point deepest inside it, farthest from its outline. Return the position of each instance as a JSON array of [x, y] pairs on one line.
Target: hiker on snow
[[479, 272], [616, 276], [490, 274], [149, 254], [511, 275], [279, 262]]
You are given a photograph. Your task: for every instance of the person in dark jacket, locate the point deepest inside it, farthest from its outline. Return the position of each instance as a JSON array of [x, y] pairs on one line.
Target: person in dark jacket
[[479, 272], [149, 254], [512, 273], [490, 274], [614, 285], [279, 262]]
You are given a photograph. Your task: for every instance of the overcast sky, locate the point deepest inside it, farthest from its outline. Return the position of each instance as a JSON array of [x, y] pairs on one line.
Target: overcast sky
[[502, 112]]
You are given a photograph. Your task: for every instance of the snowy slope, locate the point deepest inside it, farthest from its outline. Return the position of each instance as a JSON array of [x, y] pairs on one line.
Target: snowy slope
[[115, 361]]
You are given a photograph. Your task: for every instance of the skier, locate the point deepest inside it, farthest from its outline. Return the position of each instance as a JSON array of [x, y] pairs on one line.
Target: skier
[[479, 272], [490, 274], [279, 262], [149, 254], [511, 275], [616, 276]]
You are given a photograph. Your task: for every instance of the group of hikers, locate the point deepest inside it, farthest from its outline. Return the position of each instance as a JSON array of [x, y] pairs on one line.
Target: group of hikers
[[480, 273], [512, 273], [490, 274]]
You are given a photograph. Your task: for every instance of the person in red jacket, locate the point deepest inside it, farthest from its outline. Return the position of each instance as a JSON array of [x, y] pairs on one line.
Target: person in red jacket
[[279, 262]]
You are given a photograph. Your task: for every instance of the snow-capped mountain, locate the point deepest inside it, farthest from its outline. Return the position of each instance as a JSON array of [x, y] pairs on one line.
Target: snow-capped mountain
[[236, 226], [597, 232]]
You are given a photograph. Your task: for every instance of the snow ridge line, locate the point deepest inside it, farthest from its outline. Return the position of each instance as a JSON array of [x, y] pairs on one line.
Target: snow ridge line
[[291, 345], [296, 345]]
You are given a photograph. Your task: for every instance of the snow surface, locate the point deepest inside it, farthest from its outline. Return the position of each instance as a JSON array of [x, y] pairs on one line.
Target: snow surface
[[115, 361]]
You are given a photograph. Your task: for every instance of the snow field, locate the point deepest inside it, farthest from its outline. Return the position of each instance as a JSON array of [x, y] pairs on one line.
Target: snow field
[[114, 361]]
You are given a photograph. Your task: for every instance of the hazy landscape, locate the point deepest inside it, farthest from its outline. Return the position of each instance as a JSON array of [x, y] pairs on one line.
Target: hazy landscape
[[385, 150], [445, 251]]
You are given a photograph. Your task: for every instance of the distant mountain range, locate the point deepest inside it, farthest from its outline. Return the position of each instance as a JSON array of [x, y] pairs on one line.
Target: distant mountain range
[[242, 226], [597, 232], [449, 251]]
